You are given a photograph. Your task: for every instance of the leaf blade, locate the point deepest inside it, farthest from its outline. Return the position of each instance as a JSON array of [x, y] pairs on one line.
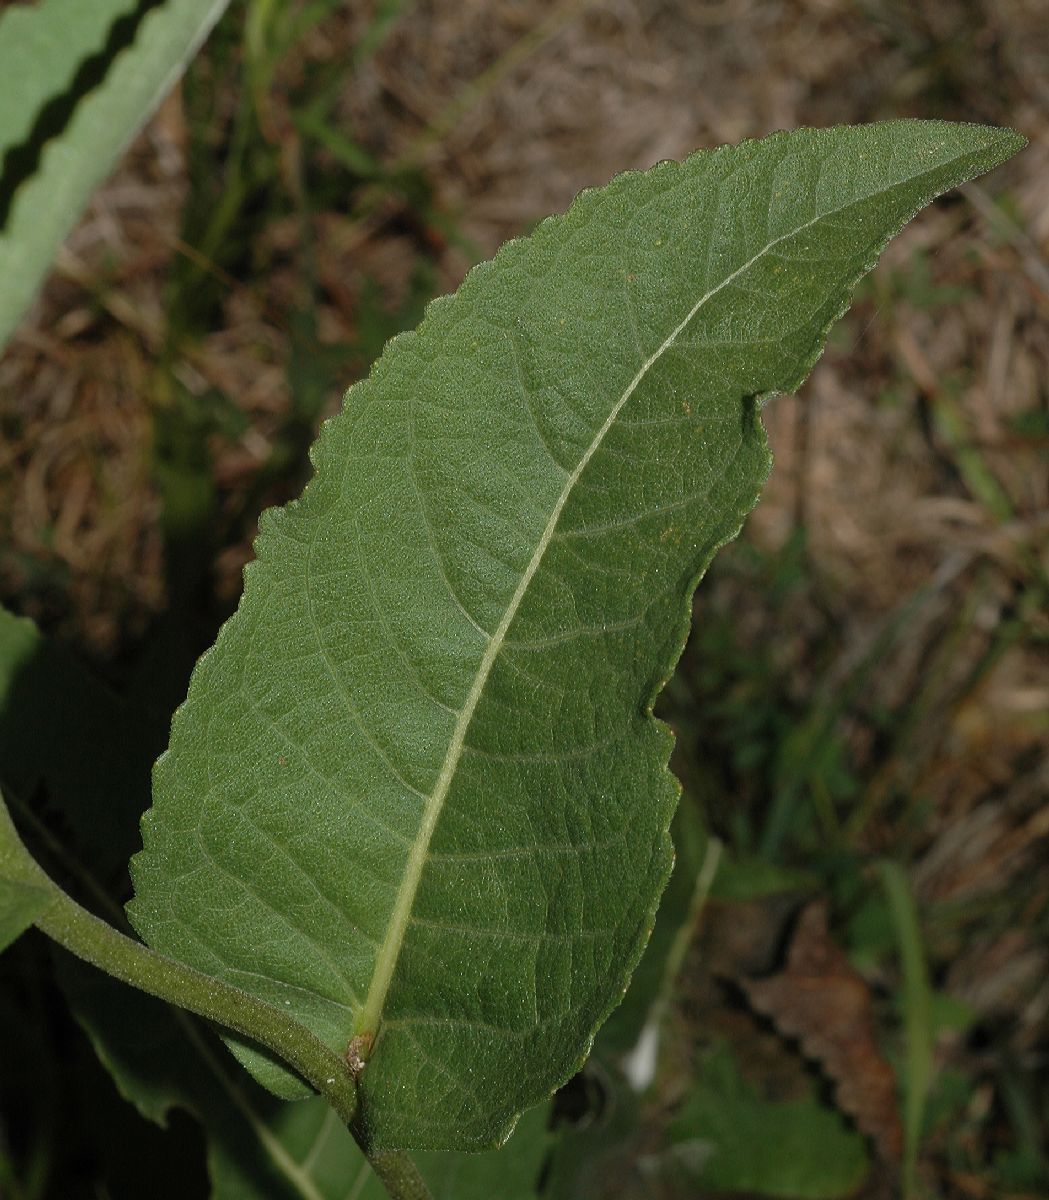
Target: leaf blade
[[41, 50], [440, 812]]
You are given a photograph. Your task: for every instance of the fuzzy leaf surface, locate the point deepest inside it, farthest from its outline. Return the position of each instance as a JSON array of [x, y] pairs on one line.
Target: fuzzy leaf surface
[[416, 791]]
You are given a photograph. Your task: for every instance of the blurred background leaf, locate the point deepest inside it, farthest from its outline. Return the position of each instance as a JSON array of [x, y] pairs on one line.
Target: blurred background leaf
[[727, 1139], [77, 83]]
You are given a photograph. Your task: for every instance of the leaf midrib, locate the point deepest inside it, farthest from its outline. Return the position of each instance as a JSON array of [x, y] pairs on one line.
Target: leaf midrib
[[369, 1017]]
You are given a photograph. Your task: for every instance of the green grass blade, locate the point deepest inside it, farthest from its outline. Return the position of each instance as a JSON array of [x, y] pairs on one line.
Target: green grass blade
[[917, 1017]]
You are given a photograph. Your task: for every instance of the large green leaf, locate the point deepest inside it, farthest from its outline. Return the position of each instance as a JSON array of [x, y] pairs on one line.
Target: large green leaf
[[67, 738], [77, 754], [416, 791], [76, 82]]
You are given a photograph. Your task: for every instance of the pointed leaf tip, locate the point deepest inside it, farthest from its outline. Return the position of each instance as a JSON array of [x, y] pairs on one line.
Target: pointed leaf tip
[[415, 791]]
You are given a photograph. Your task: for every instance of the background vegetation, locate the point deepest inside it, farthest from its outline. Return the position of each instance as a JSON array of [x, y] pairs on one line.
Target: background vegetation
[[863, 710]]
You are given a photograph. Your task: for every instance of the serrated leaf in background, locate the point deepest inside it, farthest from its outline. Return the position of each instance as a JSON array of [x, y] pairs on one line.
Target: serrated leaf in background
[[77, 81], [728, 1139], [43, 52]]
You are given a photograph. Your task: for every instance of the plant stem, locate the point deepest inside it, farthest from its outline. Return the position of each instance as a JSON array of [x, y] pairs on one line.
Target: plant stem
[[98, 943], [400, 1176], [91, 939]]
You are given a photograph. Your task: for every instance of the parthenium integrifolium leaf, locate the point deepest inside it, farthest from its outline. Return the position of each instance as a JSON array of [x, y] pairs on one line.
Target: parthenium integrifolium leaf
[[416, 794]]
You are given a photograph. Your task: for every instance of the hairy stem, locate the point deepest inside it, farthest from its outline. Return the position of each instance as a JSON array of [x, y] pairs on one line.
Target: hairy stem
[[400, 1176], [98, 943]]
